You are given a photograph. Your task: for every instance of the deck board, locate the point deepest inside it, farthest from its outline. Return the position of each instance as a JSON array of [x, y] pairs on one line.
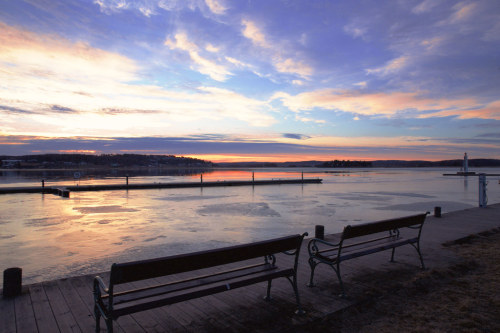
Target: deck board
[[25, 317], [45, 319], [60, 308], [81, 313], [66, 305], [8, 313]]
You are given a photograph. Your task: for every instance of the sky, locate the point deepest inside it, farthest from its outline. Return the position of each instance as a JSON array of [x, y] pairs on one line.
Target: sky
[[251, 80]]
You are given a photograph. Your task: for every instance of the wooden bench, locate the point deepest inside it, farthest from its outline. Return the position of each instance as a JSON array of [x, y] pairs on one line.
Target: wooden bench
[[363, 239], [233, 271]]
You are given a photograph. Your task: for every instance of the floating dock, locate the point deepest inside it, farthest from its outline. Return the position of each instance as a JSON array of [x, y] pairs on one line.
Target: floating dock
[[65, 190]]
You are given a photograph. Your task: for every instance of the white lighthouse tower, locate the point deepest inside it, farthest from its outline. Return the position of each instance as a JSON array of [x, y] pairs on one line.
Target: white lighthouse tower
[[466, 164]]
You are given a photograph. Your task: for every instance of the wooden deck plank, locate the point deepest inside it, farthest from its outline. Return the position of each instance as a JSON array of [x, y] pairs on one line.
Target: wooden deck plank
[[225, 310], [82, 314], [8, 314], [60, 308], [25, 317], [45, 319]]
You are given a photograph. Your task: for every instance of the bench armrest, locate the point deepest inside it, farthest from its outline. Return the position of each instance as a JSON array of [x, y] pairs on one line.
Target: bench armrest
[[313, 247], [100, 285]]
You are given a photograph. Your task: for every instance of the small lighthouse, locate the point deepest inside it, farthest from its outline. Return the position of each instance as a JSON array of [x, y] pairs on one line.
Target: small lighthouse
[[466, 164]]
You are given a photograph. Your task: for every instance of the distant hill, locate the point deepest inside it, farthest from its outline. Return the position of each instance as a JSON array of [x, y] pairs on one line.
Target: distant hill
[[46, 161], [480, 162], [68, 161]]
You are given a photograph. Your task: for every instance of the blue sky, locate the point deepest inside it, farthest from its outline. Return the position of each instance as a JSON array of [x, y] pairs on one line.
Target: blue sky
[[251, 80]]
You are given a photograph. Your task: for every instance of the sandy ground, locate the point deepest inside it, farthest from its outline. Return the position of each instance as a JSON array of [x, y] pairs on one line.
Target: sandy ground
[[463, 297]]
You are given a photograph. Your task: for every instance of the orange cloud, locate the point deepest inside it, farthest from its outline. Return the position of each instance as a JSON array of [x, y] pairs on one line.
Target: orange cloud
[[384, 104], [490, 111], [81, 151]]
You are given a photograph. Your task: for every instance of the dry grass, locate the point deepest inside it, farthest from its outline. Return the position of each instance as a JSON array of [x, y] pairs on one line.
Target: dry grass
[[464, 297]]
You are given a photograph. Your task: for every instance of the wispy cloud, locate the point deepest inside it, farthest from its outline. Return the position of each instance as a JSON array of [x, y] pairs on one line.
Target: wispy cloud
[[215, 71], [70, 87], [391, 67], [254, 33], [216, 6], [489, 111], [283, 62], [387, 104]]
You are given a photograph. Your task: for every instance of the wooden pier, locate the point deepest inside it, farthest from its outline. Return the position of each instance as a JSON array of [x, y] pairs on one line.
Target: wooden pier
[[66, 305], [144, 186]]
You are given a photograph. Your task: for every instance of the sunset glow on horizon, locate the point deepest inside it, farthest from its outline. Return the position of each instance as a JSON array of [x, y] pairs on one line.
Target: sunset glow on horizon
[[259, 81]]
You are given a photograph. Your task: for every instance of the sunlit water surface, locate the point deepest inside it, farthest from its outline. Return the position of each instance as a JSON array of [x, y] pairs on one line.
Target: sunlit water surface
[[52, 237]]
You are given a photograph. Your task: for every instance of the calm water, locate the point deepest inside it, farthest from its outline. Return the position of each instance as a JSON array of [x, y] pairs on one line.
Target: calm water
[[51, 237]]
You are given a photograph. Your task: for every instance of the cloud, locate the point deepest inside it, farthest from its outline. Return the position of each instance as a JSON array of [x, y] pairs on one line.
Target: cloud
[[146, 7], [14, 110], [215, 71], [58, 108], [49, 57], [254, 33], [425, 6], [309, 120], [489, 135], [71, 88], [295, 136], [489, 111], [294, 67], [211, 48], [462, 11], [388, 104], [391, 67], [216, 6], [281, 61], [238, 63], [356, 29]]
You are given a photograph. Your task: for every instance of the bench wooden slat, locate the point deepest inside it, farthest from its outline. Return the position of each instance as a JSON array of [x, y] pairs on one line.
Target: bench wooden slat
[[147, 269], [181, 297], [369, 249], [352, 231], [127, 296]]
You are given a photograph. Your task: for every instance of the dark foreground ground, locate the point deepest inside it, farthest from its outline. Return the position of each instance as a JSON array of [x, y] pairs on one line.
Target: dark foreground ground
[[462, 297]]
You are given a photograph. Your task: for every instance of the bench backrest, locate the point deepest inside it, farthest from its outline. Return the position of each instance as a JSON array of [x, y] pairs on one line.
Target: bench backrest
[[152, 268], [364, 229]]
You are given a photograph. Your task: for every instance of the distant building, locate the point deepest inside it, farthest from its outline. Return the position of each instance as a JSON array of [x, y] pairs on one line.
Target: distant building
[[11, 164]]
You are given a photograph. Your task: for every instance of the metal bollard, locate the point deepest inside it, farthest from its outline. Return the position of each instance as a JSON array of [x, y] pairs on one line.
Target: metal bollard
[[319, 232], [437, 211], [12, 281]]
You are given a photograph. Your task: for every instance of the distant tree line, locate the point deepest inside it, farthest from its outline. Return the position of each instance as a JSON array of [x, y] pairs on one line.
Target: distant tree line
[[345, 164], [107, 160]]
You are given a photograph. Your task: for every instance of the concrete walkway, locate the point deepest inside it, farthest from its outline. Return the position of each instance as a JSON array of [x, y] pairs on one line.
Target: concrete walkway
[[66, 305]]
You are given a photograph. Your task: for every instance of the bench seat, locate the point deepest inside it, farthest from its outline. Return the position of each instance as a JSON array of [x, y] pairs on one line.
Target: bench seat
[[132, 301], [358, 250]]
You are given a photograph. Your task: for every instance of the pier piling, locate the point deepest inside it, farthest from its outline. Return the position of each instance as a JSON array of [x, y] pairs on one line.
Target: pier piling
[[319, 231], [437, 211], [12, 282]]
